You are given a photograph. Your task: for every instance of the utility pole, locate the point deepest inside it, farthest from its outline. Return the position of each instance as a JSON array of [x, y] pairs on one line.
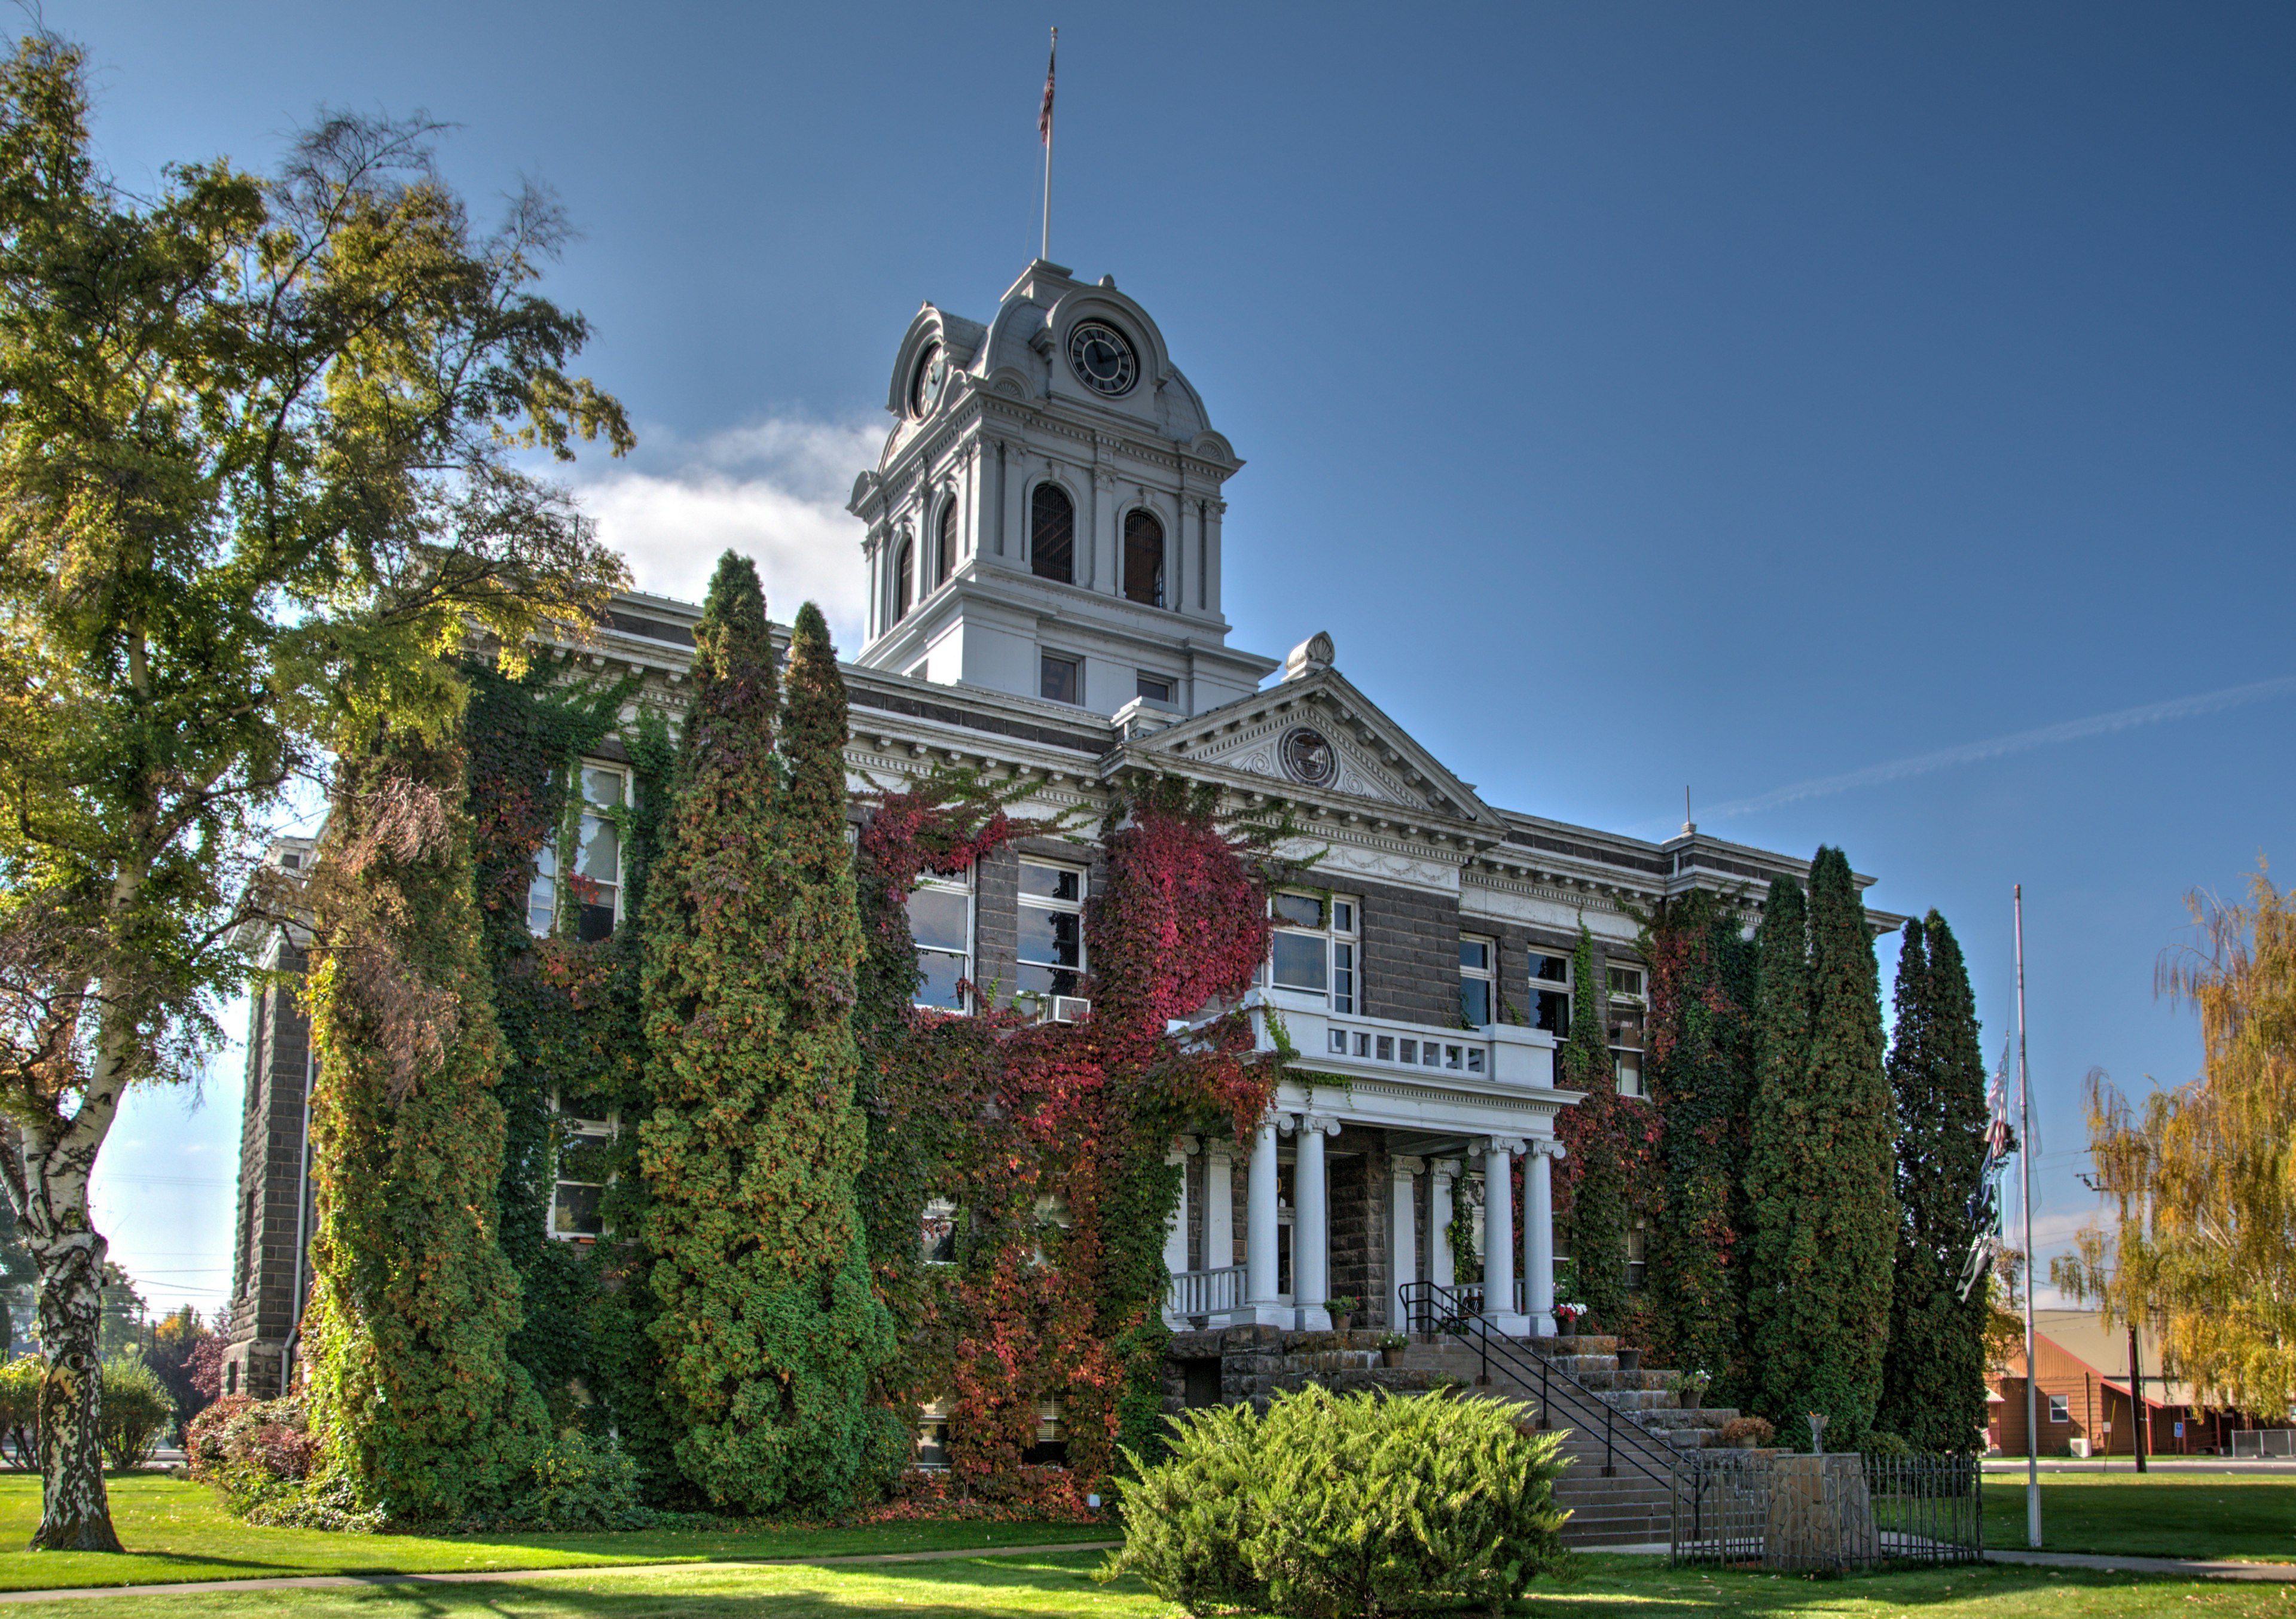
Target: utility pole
[[2136, 1396]]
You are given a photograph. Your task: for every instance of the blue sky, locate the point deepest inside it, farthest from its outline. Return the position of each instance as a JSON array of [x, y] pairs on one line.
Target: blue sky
[[1641, 396]]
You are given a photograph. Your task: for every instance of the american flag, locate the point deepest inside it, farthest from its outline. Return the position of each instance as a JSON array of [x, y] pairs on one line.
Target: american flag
[[1044, 116]]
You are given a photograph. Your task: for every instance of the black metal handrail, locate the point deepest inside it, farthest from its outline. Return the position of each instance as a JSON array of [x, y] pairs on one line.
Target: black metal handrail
[[1432, 1308]]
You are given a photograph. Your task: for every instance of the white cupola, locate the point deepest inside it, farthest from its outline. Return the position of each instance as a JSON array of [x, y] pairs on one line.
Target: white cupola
[[1045, 519]]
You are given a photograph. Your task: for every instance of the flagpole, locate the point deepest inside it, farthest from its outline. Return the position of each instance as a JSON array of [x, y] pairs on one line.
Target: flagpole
[[2025, 1174], [1045, 245]]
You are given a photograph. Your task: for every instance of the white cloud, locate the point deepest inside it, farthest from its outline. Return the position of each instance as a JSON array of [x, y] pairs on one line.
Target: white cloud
[[774, 491]]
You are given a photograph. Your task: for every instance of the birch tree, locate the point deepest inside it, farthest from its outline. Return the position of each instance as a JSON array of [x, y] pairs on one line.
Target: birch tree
[[256, 478]]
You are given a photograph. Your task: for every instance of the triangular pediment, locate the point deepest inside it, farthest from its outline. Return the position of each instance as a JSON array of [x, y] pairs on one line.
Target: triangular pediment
[[1318, 738]]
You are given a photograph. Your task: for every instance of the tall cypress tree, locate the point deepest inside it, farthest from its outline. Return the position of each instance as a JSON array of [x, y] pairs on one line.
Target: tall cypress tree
[[1596, 1138], [1820, 1175], [1777, 1124], [769, 1333], [1698, 1084], [414, 1303], [1933, 1374]]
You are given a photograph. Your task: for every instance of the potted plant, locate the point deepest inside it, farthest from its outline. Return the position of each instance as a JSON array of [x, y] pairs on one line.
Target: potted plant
[[1748, 1432], [1689, 1388], [1630, 1358], [1568, 1316], [1391, 1345], [1341, 1309]]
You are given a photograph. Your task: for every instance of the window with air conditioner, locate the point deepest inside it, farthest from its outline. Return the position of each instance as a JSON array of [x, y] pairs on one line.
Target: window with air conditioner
[[585, 1129], [585, 901], [939, 1232], [1051, 928], [1312, 949], [940, 924]]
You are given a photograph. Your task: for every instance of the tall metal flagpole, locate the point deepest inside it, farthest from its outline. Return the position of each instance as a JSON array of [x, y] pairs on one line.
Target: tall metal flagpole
[[2025, 1175], [1045, 123]]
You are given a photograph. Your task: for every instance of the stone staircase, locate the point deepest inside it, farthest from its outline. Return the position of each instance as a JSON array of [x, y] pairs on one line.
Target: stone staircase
[[1627, 1507]]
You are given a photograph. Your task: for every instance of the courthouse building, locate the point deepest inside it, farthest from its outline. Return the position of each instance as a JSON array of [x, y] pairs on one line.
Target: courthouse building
[[1042, 538]]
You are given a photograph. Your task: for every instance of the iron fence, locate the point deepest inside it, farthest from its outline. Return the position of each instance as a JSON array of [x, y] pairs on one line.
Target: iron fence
[[1775, 1509]]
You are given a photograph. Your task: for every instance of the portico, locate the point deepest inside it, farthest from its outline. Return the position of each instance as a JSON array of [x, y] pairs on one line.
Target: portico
[[1413, 1118]]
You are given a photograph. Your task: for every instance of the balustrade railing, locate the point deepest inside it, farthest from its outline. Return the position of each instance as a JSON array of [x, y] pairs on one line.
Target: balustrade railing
[[1457, 1312], [1205, 1293]]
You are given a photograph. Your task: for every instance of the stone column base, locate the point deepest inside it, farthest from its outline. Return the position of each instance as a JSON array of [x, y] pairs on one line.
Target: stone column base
[[1507, 1324]]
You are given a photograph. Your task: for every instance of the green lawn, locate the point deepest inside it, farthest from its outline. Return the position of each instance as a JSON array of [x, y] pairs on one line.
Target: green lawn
[[1609, 1588], [2160, 1515], [175, 1531]]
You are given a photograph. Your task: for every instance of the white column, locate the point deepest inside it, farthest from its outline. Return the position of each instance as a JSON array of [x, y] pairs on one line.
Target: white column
[[1403, 1236], [1539, 1236], [1311, 1227], [1219, 1207], [1498, 1236], [1439, 1270], [1260, 1218], [1175, 1224]]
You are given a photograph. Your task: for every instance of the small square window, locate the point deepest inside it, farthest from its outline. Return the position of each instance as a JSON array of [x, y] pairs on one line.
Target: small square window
[[1387, 1047], [1625, 980], [1339, 1042], [2061, 1407], [1060, 679], [1411, 1051], [1156, 689]]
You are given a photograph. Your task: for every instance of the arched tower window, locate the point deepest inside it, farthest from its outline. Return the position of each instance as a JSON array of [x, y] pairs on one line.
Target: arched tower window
[[944, 556], [1143, 558], [905, 579], [1052, 534]]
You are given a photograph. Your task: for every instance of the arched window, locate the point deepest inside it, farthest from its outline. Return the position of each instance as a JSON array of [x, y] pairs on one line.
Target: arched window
[[1143, 558], [1052, 534], [904, 583], [944, 558]]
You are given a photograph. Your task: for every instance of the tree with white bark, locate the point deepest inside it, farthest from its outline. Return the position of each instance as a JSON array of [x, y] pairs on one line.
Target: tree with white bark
[[259, 482]]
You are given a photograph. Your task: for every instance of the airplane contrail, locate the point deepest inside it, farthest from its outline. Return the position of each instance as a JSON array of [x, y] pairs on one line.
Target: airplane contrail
[[1997, 747]]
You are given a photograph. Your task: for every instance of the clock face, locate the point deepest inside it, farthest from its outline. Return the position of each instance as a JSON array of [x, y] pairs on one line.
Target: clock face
[[1102, 357], [924, 388], [1309, 757]]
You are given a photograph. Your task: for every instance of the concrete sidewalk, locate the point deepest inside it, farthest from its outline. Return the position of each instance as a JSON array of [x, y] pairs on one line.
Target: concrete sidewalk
[[2189, 1568], [192, 1588]]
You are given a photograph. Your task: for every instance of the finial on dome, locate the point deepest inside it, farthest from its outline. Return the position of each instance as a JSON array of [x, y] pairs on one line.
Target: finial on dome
[[1311, 656]]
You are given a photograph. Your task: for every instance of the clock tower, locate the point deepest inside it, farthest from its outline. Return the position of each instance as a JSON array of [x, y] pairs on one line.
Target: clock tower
[[1044, 521]]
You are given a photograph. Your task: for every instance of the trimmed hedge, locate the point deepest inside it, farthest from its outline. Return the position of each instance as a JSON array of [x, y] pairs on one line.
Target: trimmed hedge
[[1356, 1505]]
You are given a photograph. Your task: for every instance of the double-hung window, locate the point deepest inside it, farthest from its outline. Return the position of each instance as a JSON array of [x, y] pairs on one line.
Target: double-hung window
[[940, 922], [579, 1183], [1550, 993], [1626, 1028], [1052, 928], [1477, 959], [940, 1231], [590, 896], [1638, 1255], [1313, 949]]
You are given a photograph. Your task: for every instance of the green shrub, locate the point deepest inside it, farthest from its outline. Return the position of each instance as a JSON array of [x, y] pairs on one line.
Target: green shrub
[[137, 1408], [1878, 1444], [1361, 1505], [19, 1410], [578, 1484]]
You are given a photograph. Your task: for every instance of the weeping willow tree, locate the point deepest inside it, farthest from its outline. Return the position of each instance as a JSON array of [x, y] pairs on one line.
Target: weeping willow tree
[[2201, 1180]]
